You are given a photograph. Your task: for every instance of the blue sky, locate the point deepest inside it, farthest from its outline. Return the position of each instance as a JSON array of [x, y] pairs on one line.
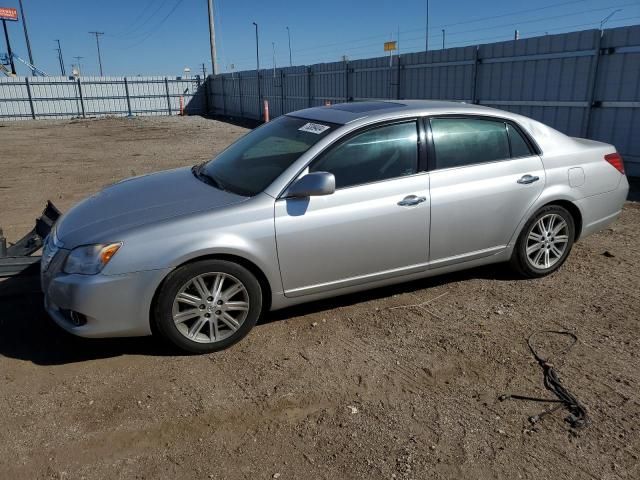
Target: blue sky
[[161, 37]]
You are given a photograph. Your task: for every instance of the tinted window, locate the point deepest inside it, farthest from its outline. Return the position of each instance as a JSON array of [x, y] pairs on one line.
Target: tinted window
[[252, 163], [519, 147], [378, 154], [465, 141]]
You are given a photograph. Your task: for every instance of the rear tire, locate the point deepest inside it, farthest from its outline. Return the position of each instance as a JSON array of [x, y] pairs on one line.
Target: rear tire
[[207, 306], [544, 243]]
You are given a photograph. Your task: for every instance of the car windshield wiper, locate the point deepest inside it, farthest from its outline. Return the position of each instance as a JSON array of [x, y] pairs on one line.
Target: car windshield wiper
[[206, 178]]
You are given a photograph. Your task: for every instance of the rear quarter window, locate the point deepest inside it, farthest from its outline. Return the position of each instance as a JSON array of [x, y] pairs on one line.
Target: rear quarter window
[[519, 146]]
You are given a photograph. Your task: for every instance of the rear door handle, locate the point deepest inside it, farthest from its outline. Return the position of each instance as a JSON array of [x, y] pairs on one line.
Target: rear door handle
[[526, 179], [411, 200]]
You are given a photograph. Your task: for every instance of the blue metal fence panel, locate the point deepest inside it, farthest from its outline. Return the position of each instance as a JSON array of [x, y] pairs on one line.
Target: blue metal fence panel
[[296, 88], [438, 74], [616, 117], [64, 97]]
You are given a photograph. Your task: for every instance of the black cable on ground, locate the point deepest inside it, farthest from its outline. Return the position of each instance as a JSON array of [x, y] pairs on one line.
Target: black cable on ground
[[577, 417]]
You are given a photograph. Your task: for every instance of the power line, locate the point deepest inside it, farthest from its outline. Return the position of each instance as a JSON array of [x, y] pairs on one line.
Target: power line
[[138, 17], [158, 25], [438, 27], [131, 33], [449, 34]]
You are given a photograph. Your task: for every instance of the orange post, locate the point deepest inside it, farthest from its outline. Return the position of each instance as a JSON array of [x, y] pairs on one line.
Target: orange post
[[181, 105], [266, 111]]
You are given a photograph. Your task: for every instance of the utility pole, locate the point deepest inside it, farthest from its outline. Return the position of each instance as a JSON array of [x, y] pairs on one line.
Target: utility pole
[[516, 35], [9, 52], [273, 45], [426, 41], [258, 69], [212, 38], [443, 38], [204, 71], [62, 71], [289, 35], [26, 37], [97, 34], [79, 65]]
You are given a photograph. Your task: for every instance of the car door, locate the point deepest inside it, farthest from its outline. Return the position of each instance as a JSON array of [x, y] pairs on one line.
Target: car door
[[485, 174], [374, 226]]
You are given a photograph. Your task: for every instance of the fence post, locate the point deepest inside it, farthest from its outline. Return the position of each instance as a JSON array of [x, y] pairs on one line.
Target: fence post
[[224, 96], [591, 99], [81, 98], [33, 113], [166, 87], [240, 95], [260, 96], [346, 80], [476, 65], [205, 87], [398, 71], [126, 91], [309, 73], [282, 96]]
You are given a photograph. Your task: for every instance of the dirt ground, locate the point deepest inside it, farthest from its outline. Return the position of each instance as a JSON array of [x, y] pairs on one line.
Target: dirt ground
[[347, 388]]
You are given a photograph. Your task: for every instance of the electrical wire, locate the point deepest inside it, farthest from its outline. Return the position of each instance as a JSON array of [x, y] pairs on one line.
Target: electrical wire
[[133, 32], [157, 26], [537, 20], [578, 417], [136, 19], [435, 35]]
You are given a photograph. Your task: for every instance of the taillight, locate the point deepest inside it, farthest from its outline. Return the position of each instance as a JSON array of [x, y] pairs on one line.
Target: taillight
[[615, 159]]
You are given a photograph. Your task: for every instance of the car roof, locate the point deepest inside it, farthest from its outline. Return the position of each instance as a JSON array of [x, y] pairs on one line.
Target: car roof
[[343, 113]]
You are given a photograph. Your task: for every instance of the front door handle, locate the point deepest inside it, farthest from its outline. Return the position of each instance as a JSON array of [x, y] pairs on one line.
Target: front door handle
[[527, 179], [411, 200]]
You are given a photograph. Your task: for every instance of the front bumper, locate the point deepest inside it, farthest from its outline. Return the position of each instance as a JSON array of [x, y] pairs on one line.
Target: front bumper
[[110, 305]]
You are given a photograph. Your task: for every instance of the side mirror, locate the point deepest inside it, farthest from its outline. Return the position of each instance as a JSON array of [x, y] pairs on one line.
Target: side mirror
[[312, 184]]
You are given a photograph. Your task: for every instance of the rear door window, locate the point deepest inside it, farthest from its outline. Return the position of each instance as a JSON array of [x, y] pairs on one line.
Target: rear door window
[[466, 141]]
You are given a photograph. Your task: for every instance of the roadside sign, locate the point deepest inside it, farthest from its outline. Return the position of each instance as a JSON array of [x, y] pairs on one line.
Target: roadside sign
[[390, 46], [10, 14]]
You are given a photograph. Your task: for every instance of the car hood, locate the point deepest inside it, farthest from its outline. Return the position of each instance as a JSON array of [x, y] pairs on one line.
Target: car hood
[[139, 201]]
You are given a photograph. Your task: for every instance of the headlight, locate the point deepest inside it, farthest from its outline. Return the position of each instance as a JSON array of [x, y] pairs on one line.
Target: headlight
[[50, 248], [90, 259]]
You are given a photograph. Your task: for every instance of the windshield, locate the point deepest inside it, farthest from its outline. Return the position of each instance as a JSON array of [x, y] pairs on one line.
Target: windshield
[[252, 163]]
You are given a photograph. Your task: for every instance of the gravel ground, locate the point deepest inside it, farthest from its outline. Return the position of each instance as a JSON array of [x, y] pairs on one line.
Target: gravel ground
[[347, 388]]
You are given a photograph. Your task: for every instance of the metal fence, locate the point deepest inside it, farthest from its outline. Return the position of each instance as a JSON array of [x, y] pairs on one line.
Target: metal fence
[[581, 83], [64, 97]]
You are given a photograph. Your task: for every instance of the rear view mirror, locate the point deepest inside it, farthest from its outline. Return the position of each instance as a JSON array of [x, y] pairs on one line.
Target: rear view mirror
[[312, 184]]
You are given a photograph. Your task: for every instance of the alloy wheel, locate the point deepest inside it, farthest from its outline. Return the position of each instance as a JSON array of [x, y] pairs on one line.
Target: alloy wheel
[[210, 307], [547, 241]]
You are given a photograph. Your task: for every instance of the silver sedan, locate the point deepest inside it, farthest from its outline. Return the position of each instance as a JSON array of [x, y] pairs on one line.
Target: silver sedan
[[322, 202]]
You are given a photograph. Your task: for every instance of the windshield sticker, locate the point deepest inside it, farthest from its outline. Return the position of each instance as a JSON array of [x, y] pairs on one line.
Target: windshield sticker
[[313, 128]]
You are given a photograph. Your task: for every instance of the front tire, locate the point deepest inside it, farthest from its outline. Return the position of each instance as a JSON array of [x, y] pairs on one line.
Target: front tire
[[207, 306], [544, 243]]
